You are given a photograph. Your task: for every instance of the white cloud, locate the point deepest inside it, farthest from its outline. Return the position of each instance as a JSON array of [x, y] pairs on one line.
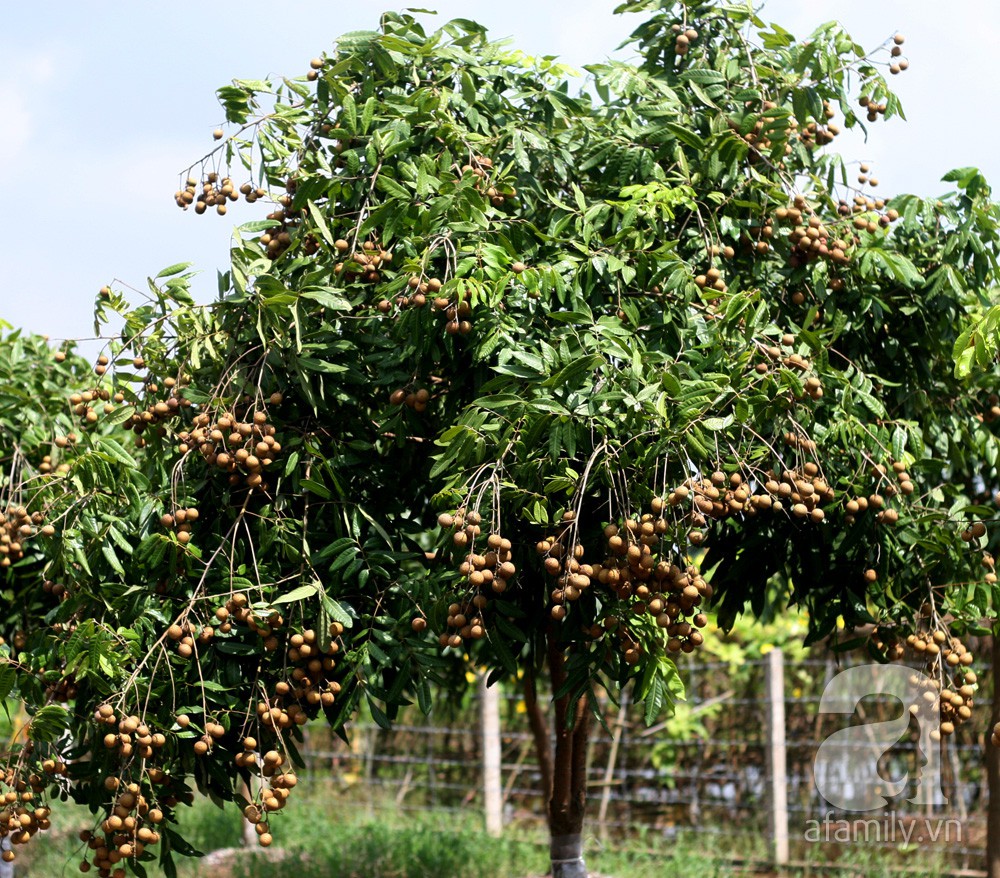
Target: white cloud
[[18, 123], [20, 101]]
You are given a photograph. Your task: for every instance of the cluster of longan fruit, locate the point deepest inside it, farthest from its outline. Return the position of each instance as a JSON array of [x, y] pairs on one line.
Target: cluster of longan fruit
[[484, 573], [133, 736], [275, 715], [812, 386], [481, 167], [125, 833], [947, 653], [278, 239], [854, 506], [946, 657], [634, 569], [57, 589], [243, 448], [804, 490], [236, 611], [464, 620], [419, 291], [422, 291], [83, 404], [210, 196], [712, 280], [990, 564], [273, 796], [466, 525], [797, 440], [975, 531], [684, 38], [940, 645], [715, 497], [157, 413], [456, 314], [47, 464], [492, 570], [820, 132], [180, 520], [897, 66], [181, 633], [213, 732], [886, 643], [414, 399], [21, 818], [863, 204], [630, 648], [312, 685], [757, 237], [815, 239], [562, 558], [363, 264], [875, 108], [17, 526]]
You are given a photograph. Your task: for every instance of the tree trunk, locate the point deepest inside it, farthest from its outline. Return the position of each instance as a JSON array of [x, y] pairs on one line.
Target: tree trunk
[[993, 772], [568, 798]]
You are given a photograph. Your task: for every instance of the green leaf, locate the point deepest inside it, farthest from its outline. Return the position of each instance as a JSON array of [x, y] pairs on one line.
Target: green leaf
[[337, 612], [48, 723], [173, 269], [317, 488], [113, 450], [717, 424], [303, 592], [349, 117], [327, 297], [320, 221]]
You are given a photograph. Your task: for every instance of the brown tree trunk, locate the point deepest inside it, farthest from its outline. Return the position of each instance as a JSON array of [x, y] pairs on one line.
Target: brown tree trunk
[[568, 798], [539, 732], [993, 772]]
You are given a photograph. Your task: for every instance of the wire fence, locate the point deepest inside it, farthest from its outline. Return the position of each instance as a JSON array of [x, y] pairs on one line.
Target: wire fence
[[710, 771]]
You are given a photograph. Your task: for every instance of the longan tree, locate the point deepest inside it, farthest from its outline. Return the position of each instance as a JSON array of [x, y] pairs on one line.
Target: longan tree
[[511, 375]]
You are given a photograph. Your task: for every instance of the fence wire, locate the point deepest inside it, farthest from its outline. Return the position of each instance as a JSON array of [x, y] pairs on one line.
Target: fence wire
[[703, 772]]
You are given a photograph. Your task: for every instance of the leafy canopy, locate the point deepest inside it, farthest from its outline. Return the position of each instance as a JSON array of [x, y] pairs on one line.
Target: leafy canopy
[[642, 348]]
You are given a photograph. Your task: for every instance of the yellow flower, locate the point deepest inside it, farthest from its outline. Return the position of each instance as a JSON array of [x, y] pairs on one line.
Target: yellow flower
[[765, 648]]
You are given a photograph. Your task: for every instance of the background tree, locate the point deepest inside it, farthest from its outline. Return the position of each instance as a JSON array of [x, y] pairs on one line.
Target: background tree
[[514, 376]]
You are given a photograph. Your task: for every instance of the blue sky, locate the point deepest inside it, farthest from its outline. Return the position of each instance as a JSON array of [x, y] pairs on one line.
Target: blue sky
[[102, 104]]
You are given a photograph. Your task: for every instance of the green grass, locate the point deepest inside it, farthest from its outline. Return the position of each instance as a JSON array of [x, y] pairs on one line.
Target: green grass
[[326, 834]]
